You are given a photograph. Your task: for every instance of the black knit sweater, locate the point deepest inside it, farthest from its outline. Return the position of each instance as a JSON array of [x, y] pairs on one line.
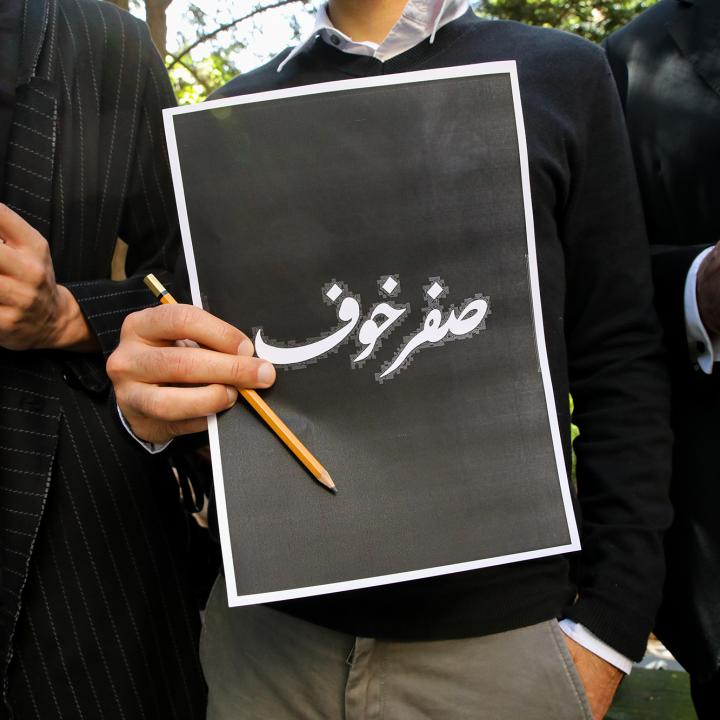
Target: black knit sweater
[[602, 340]]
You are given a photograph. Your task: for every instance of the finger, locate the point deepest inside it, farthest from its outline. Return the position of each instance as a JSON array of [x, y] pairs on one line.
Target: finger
[[24, 266], [176, 404], [187, 322], [192, 366], [150, 431], [11, 291], [10, 318], [16, 232], [15, 332], [187, 427]]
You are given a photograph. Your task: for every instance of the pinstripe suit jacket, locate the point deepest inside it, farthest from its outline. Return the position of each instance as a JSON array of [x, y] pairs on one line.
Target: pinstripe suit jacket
[[95, 617]]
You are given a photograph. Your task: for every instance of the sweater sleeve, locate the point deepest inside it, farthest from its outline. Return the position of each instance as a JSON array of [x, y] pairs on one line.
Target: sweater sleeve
[[148, 223], [618, 380]]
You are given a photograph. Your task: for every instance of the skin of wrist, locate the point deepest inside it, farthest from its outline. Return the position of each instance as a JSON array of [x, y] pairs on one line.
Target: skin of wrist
[[707, 294], [70, 330]]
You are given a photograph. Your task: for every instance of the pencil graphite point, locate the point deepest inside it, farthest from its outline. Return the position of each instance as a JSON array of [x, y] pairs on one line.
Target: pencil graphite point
[[326, 480]]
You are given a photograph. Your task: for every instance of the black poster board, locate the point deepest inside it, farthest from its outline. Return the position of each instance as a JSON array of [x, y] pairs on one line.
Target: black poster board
[[375, 239]]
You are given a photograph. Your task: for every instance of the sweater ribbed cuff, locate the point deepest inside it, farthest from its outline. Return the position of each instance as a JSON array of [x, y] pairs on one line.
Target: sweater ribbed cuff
[[614, 623]]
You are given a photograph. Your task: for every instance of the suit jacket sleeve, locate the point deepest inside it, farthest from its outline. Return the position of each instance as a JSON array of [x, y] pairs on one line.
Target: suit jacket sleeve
[[619, 383], [148, 223]]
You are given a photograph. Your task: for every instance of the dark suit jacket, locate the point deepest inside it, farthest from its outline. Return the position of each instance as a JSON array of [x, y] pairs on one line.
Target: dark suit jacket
[[95, 615], [667, 67]]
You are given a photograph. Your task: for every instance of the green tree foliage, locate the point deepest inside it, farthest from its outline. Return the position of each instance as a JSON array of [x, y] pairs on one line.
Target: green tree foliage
[[192, 83], [593, 19], [204, 60], [195, 76], [201, 56]]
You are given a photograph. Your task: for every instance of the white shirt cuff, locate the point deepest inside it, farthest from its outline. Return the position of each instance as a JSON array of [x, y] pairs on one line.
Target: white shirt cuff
[[581, 635], [697, 335], [152, 448]]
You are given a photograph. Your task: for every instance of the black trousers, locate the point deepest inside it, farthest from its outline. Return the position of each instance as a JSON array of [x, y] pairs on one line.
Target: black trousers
[[706, 697]]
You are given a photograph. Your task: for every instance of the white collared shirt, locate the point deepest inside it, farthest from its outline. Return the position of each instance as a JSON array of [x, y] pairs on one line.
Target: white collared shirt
[[420, 19]]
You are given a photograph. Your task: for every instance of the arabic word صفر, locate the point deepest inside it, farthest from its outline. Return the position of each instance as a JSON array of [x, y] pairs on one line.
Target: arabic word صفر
[[437, 328]]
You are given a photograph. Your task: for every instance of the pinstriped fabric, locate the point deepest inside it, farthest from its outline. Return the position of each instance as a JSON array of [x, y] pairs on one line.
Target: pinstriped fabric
[[27, 398], [25, 468], [105, 629], [96, 617]]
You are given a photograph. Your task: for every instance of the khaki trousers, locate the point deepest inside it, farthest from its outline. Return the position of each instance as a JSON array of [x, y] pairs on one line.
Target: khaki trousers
[[262, 664]]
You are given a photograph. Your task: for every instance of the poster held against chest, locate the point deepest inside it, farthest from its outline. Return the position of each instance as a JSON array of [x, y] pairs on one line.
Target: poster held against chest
[[374, 238]]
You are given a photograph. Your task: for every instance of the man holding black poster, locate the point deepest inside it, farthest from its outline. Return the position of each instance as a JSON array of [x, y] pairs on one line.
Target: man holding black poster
[[484, 643]]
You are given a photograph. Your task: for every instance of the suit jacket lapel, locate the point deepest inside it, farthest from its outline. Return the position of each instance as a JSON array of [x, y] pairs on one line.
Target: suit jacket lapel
[[31, 151], [35, 23], [31, 154], [695, 28]]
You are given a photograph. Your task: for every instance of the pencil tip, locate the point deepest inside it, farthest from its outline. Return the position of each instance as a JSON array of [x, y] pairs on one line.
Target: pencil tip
[[326, 480]]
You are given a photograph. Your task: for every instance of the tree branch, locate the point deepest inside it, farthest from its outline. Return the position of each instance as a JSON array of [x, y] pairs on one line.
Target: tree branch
[[175, 59], [196, 76]]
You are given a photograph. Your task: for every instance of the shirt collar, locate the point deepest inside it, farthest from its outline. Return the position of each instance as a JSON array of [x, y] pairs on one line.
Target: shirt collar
[[419, 20]]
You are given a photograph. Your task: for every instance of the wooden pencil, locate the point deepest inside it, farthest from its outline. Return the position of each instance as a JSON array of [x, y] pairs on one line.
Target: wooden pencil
[[267, 414]]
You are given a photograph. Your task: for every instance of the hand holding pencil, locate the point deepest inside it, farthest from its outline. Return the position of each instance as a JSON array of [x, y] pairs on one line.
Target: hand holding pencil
[[164, 391]]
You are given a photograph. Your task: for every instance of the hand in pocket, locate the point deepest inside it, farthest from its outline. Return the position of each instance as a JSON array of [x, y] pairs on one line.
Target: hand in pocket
[[599, 678]]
